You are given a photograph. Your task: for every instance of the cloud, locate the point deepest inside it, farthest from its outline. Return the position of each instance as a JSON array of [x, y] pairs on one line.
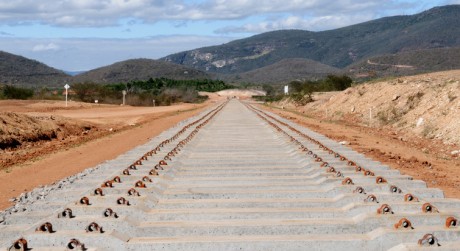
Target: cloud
[[2, 33], [90, 13], [85, 54], [46, 47], [297, 22]]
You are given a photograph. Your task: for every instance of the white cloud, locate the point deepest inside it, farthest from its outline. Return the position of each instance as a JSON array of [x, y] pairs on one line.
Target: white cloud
[[86, 54], [297, 22], [108, 12], [46, 47]]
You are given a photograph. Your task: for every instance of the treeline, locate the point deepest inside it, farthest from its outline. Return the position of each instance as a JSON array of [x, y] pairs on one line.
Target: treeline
[[162, 91], [301, 92], [206, 85], [12, 92]]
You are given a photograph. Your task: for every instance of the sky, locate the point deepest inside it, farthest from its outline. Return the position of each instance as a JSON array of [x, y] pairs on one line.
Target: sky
[[79, 35]]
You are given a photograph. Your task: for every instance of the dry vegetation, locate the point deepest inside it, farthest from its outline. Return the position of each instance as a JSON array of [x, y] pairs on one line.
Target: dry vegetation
[[426, 105], [414, 125]]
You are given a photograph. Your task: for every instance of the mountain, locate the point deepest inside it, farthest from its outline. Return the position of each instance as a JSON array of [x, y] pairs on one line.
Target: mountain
[[73, 73], [285, 70], [407, 63], [19, 70], [435, 28], [139, 69]]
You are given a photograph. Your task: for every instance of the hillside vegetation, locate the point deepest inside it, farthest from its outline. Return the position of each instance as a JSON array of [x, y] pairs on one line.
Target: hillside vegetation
[[162, 91], [139, 69], [426, 105], [406, 63], [19, 70], [399, 45], [283, 71], [436, 28]]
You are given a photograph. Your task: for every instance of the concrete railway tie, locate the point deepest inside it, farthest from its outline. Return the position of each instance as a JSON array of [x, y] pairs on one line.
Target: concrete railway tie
[[238, 178]]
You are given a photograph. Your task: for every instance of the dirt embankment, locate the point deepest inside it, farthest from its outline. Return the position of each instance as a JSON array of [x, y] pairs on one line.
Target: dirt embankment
[[411, 124], [81, 136], [427, 105], [24, 137]]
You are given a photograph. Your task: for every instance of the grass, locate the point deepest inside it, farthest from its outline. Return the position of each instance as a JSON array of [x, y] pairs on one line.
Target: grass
[[390, 115], [428, 131], [451, 96]]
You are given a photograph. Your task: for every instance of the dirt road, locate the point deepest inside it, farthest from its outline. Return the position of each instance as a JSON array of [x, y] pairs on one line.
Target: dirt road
[[131, 126]]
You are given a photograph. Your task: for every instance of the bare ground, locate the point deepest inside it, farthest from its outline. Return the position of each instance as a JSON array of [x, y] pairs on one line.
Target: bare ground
[[89, 134], [427, 150]]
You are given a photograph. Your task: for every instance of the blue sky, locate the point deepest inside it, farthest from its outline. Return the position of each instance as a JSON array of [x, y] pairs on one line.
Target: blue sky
[[84, 34]]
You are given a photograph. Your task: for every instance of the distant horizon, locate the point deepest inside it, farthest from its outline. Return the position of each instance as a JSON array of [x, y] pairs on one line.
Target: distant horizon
[[80, 36]]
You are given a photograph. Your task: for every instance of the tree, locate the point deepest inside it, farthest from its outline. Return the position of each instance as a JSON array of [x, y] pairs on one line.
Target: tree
[[13, 92], [338, 83], [295, 86], [269, 90], [86, 92]]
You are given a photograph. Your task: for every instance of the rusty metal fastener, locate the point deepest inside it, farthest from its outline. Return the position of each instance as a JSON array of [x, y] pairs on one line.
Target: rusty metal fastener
[[409, 197], [123, 201], [347, 181], [19, 244], [75, 244], [428, 208], [371, 198], [368, 173], [404, 223], [108, 183], [67, 213], [395, 189], [45, 227], [133, 192], [85, 201], [331, 170], [359, 190], [385, 209], [428, 240], [451, 222], [98, 191], [146, 179], [380, 180], [110, 213], [94, 227], [140, 184]]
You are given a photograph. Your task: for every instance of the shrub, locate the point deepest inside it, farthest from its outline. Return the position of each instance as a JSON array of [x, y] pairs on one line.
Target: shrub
[[86, 92], [13, 92]]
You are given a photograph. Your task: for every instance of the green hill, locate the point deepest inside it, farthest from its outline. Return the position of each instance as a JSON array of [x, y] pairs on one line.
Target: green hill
[[285, 70], [139, 69], [435, 28], [407, 63], [19, 70]]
